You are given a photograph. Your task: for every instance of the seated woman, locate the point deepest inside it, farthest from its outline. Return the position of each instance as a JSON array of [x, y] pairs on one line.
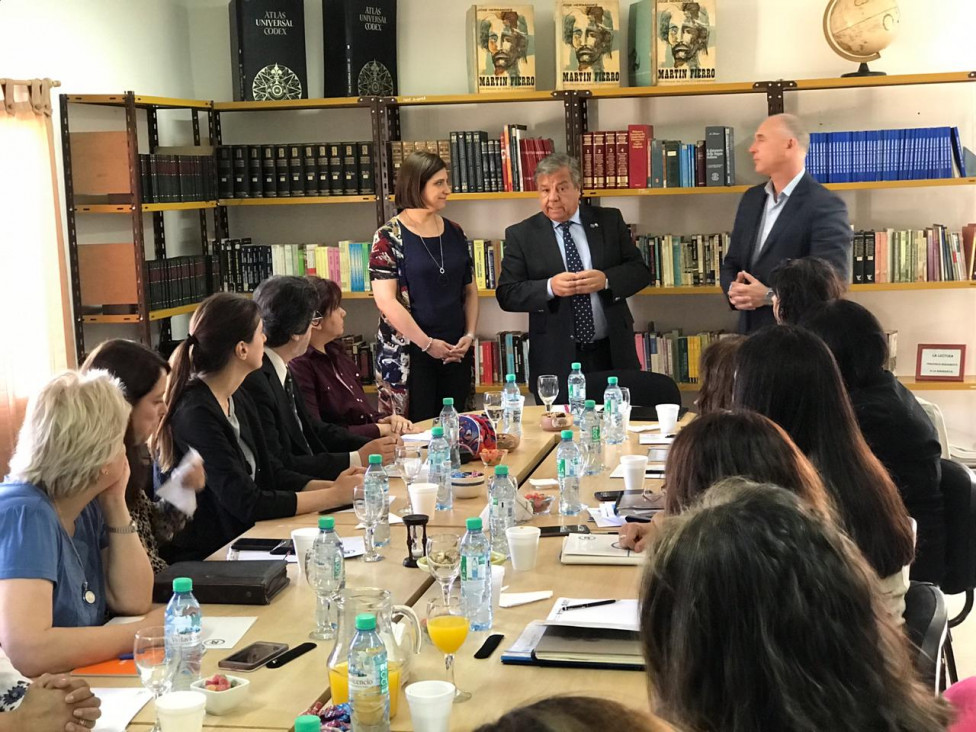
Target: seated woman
[[718, 374], [725, 444], [757, 614], [799, 285], [68, 547], [789, 375], [574, 714], [49, 704], [142, 374], [894, 424], [206, 410], [329, 379]]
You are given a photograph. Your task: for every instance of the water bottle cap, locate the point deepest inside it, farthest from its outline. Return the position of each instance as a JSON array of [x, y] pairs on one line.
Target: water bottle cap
[[375, 459], [437, 432], [576, 366], [589, 404], [182, 584], [510, 378], [567, 434], [448, 401], [473, 523], [611, 381], [501, 470], [327, 522], [365, 621], [308, 723]]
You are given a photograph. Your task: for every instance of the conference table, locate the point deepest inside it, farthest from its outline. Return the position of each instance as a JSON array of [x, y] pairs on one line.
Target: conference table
[[277, 696]]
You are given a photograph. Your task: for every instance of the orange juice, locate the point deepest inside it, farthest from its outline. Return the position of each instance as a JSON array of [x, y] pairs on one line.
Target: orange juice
[[448, 632], [339, 684]]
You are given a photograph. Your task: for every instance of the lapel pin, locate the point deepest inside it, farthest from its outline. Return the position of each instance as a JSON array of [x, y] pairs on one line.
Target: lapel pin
[[594, 226]]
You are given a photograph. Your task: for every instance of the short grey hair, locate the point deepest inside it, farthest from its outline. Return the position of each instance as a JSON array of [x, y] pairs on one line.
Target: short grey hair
[[795, 129], [557, 161], [74, 425]]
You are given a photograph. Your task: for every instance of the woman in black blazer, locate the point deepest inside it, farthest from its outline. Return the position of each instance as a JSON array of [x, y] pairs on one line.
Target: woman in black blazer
[[206, 411]]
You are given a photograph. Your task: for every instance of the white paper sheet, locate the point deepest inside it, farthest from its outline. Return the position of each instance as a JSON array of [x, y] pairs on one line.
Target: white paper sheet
[[619, 615], [119, 706], [394, 519], [604, 515], [655, 438], [418, 437], [642, 427], [224, 632], [353, 546], [543, 482], [653, 470], [514, 599]]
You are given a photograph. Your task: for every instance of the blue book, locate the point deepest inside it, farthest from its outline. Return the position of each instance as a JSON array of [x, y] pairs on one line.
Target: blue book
[[945, 152], [957, 152]]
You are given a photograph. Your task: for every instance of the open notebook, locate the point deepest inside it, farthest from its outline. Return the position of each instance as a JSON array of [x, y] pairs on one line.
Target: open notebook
[[596, 549]]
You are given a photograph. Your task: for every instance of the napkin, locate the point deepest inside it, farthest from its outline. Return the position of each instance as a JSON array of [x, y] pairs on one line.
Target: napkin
[[173, 491], [514, 599]]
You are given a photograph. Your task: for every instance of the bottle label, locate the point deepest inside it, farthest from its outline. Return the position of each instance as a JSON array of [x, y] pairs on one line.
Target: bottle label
[[595, 433], [574, 391], [337, 567], [184, 638], [609, 406], [561, 467], [374, 675]]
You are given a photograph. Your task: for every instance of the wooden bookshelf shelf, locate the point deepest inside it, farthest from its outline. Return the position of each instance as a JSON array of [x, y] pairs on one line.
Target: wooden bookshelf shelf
[[126, 208], [501, 97], [502, 196], [187, 206], [887, 286], [891, 80], [170, 312], [678, 90], [142, 102], [882, 184], [292, 104], [116, 319], [967, 384], [690, 191], [710, 190], [478, 389], [357, 295], [296, 201]]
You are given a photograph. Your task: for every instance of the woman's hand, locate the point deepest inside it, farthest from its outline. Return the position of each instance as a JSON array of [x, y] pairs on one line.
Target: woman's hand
[[459, 350], [195, 477], [345, 482], [58, 703], [398, 425], [85, 706], [439, 349], [636, 536], [114, 494]]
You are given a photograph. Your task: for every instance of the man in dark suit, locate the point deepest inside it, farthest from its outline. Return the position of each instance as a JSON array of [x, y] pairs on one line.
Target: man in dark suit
[[301, 441], [572, 269], [790, 217]]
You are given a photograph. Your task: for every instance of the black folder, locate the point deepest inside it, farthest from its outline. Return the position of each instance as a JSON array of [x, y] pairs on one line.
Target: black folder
[[228, 583], [589, 648]]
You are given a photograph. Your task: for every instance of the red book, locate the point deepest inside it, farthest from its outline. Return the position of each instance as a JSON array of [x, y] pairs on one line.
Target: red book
[[610, 159], [639, 149], [587, 145], [599, 160], [506, 163], [623, 159], [524, 156]]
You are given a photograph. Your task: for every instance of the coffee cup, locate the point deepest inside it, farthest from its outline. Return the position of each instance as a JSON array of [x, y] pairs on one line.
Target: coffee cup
[[523, 545], [423, 497]]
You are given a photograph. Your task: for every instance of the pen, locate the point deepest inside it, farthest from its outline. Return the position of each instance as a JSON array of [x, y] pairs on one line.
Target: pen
[[598, 603], [125, 657]]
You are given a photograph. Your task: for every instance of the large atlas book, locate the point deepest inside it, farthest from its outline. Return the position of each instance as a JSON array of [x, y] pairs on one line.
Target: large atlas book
[[267, 42], [501, 48], [685, 38], [360, 40], [587, 44]]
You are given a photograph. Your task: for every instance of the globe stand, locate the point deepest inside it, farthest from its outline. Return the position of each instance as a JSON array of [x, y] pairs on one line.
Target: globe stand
[[863, 70]]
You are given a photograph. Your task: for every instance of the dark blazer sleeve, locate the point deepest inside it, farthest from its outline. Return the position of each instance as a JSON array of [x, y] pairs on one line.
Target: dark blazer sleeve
[[515, 292], [631, 274], [830, 232], [742, 238]]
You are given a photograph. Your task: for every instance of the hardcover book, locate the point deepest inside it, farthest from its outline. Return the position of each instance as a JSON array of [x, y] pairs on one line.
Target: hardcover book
[[267, 43], [501, 48], [587, 44], [685, 37], [360, 38]]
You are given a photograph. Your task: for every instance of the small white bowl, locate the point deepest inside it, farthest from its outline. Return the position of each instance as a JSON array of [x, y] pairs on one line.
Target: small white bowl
[[221, 702], [469, 484]]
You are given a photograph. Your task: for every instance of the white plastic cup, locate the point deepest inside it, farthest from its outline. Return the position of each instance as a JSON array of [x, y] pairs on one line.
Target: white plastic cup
[[497, 580], [431, 703], [181, 711], [423, 498], [303, 540], [633, 468], [523, 543], [667, 417]]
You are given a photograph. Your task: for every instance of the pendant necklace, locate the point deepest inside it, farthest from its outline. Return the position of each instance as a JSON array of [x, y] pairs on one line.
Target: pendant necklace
[[86, 594], [442, 277]]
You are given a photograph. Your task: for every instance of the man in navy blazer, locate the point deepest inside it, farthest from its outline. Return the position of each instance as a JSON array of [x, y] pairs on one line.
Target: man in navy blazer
[[572, 268], [790, 217]]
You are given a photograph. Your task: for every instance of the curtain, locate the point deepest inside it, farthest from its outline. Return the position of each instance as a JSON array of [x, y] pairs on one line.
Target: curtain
[[35, 316]]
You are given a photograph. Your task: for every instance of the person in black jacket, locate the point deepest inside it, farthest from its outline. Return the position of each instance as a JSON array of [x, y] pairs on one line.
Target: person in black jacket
[[894, 424], [246, 482], [302, 442]]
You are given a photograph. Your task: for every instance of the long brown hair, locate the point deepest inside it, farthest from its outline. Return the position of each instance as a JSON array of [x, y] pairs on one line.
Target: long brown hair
[[574, 714], [221, 322], [718, 374]]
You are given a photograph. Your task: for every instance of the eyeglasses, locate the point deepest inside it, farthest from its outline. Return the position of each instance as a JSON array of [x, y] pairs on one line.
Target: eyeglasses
[[316, 318]]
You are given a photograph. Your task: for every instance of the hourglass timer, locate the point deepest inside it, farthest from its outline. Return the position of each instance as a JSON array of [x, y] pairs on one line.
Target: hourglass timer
[[416, 524]]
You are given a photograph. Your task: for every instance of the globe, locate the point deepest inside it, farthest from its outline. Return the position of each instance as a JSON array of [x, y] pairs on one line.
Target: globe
[[857, 30]]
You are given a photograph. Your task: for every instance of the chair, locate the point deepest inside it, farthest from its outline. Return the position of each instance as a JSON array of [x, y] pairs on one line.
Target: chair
[[647, 389], [927, 625], [959, 493]]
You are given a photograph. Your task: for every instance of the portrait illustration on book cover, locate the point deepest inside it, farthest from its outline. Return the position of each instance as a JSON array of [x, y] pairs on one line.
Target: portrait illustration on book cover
[[504, 47], [685, 42], [587, 45]]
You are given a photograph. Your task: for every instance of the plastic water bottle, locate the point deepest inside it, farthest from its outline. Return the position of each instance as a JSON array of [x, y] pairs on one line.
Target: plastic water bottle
[[328, 564], [591, 439], [183, 639], [476, 576], [377, 479], [501, 497], [369, 678], [512, 406], [568, 473], [439, 468], [577, 391], [613, 418], [452, 428]]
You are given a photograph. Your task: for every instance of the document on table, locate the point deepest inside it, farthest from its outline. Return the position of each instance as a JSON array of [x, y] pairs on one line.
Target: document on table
[[418, 438], [605, 516], [653, 470], [597, 549], [217, 631], [520, 651], [352, 546], [618, 615], [119, 706], [655, 438]]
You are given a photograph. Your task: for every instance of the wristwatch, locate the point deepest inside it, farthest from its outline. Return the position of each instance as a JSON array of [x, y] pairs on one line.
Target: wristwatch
[[768, 298], [130, 529]]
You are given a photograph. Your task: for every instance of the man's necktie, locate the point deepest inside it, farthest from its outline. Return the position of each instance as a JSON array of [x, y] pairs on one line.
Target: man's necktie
[[290, 391], [582, 307]]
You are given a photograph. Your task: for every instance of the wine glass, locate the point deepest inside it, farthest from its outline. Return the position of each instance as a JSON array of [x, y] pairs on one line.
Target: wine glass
[[548, 389], [322, 579], [369, 502], [447, 628], [444, 559], [409, 460], [625, 408], [493, 408], [156, 668]]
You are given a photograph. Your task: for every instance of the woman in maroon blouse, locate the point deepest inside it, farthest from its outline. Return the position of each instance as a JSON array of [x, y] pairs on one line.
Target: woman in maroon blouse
[[329, 379]]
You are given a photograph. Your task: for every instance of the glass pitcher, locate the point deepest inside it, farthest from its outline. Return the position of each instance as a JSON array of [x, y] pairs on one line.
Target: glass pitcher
[[351, 602]]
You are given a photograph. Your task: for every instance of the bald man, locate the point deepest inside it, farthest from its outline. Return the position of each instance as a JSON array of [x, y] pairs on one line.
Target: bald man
[[790, 217]]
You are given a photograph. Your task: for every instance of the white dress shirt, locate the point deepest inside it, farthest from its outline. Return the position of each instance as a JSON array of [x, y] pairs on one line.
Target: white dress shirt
[[578, 233], [773, 208]]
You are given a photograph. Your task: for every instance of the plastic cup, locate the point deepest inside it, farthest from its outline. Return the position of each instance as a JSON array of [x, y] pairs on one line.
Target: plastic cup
[[523, 543], [423, 497], [633, 467], [667, 417], [430, 703], [181, 711], [497, 580], [303, 540]]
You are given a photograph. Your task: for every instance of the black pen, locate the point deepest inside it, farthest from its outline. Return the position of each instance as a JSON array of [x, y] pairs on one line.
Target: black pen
[[598, 603]]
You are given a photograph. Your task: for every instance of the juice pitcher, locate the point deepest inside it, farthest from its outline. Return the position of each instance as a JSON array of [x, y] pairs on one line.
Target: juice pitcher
[[350, 603]]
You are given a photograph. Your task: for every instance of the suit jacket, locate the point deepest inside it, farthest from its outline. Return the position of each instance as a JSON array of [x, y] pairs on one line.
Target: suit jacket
[[330, 444], [231, 502], [532, 257], [813, 223]]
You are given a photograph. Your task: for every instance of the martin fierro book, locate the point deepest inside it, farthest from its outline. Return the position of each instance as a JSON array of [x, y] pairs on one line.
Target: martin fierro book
[[587, 44], [267, 41], [501, 48]]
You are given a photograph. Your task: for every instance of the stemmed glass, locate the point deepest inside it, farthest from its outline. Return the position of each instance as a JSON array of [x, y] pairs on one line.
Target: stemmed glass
[[548, 389], [409, 461], [447, 628], [444, 560], [156, 668], [493, 408], [322, 579], [369, 503], [625, 408]]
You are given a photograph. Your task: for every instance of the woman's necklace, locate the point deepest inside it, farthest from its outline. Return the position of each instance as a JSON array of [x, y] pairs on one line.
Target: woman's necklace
[[442, 277], [86, 594]]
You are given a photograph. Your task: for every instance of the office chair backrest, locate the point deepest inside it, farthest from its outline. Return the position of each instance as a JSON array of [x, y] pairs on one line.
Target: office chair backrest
[[959, 493], [926, 624], [647, 389]]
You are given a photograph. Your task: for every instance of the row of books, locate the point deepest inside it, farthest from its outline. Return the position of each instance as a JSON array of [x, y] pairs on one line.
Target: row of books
[[683, 261], [875, 155], [482, 165], [295, 170], [400, 149], [487, 257], [177, 281], [933, 254], [509, 354], [176, 178], [361, 352]]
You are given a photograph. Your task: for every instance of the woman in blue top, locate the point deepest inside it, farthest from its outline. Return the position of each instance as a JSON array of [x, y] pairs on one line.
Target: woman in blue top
[[68, 547]]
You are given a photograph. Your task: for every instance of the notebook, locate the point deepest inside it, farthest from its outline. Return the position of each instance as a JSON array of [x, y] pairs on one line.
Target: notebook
[[596, 549], [589, 648]]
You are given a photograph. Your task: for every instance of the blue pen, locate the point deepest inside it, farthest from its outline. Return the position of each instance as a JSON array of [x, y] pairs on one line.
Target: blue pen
[[125, 657]]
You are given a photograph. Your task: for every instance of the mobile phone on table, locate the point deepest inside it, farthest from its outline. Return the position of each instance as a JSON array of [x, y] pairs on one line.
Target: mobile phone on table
[[563, 530], [607, 495], [253, 656], [249, 544]]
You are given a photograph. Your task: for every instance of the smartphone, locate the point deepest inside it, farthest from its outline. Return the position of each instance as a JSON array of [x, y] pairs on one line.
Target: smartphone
[[252, 656], [607, 495], [638, 503], [563, 530], [255, 545]]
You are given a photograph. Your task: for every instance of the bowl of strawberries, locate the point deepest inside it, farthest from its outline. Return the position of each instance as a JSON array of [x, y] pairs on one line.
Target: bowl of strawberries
[[541, 503], [223, 692]]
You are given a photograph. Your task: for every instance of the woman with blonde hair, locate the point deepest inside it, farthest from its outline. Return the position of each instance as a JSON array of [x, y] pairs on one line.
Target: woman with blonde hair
[[68, 547]]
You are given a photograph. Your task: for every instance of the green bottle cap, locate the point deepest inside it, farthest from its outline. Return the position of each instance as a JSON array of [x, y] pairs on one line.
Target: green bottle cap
[[473, 523], [576, 366], [437, 432], [327, 522], [375, 459], [611, 381], [567, 435], [307, 723], [448, 401], [182, 584], [589, 404], [510, 378], [501, 470], [365, 621]]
